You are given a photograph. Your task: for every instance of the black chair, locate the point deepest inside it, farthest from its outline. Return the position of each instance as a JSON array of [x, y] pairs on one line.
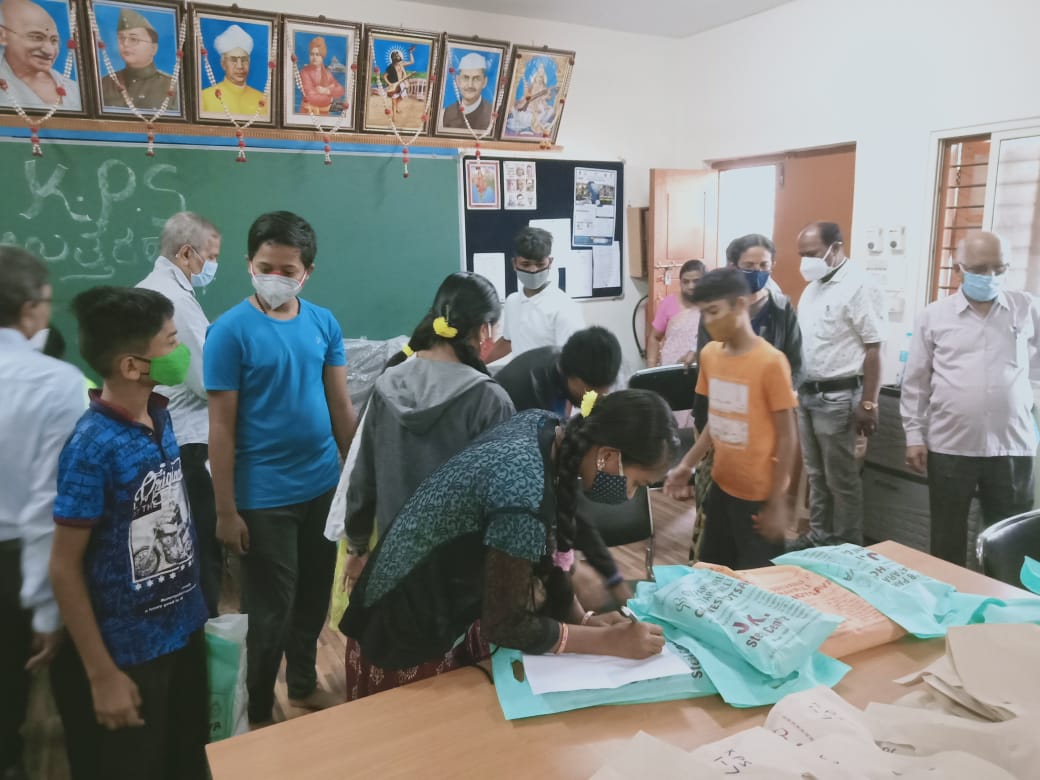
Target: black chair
[[620, 524], [1003, 546], [675, 384]]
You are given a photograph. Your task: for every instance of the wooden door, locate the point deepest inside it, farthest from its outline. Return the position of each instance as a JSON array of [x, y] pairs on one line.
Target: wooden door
[[683, 225], [815, 185]]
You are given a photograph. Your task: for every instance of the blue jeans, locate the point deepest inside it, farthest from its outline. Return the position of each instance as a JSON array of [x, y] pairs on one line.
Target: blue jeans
[[827, 429]]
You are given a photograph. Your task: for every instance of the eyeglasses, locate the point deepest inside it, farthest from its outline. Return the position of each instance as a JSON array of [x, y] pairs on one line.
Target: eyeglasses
[[35, 38], [985, 270], [132, 40]]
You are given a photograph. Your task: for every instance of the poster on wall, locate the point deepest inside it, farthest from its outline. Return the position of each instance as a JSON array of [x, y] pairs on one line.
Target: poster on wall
[[594, 206], [520, 180], [483, 190], [319, 75]]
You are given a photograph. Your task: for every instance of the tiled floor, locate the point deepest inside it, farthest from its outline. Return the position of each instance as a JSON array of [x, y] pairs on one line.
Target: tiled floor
[[45, 755]]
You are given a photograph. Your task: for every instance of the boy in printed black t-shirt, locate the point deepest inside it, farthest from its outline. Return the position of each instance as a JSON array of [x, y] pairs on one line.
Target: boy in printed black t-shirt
[[124, 565]]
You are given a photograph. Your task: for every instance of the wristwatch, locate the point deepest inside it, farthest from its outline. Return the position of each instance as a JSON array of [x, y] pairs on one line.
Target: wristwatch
[[868, 406]]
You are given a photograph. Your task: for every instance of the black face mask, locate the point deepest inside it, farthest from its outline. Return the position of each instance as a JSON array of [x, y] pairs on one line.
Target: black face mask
[[609, 488]]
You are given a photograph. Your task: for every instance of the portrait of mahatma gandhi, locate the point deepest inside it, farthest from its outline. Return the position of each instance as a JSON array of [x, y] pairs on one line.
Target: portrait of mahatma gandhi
[[34, 39]]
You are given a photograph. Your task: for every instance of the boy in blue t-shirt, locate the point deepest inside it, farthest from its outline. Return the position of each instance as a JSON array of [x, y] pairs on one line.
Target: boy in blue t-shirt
[[123, 564], [280, 417]]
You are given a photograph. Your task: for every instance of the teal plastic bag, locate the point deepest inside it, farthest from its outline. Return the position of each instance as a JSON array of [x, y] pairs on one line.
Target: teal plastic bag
[[775, 634], [742, 685], [1030, 575], [923, 606], [913, 600], [517, 700], [226, 664]]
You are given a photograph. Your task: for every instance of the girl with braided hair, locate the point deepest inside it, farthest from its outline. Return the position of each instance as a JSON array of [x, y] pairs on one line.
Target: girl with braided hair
[[482, 551]]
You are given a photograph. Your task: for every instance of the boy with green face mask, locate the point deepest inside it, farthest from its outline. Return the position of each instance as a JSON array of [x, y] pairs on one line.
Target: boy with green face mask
[[124, 565]]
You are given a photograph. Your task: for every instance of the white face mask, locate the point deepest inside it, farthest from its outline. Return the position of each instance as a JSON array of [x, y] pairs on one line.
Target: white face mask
[[815, 268], [275, 289], [534, 281]]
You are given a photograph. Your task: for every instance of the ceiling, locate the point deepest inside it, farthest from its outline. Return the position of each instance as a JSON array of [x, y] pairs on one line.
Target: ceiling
[[666, 18]]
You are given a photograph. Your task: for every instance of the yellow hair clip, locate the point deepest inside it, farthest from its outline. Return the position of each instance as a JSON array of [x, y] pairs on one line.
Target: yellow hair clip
[[443, 329], [587, 402], [407, 350]]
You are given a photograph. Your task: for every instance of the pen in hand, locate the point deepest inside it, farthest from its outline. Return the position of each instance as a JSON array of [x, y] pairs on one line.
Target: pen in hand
[[627, 613]]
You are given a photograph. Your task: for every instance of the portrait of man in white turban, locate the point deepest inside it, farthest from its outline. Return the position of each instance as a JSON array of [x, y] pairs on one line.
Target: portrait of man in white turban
[[234, 46], [468, 92]]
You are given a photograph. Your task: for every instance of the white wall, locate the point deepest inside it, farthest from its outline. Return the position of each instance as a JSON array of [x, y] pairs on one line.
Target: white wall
[[614, 110], [886, 74]]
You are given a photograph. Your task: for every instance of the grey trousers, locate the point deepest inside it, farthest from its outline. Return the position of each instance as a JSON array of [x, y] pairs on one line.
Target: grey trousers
[[287, 582], [827, 429]]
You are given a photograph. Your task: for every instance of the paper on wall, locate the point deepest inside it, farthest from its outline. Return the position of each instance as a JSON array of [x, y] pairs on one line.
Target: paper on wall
[[579, 274], [492, 266], [606, 265], [582, 672]]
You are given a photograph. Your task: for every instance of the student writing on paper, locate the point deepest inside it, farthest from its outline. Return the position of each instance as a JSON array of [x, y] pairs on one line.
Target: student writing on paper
[[425, 408], [556, 380], [482, 552]]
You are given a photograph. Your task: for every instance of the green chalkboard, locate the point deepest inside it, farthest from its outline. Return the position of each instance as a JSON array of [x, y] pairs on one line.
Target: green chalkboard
[[94, 211]]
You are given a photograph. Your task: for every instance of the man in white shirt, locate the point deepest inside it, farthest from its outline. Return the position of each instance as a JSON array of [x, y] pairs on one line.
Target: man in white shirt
[[43, 398], [190, 246], [967, 397], [540, 314], [843, 318]]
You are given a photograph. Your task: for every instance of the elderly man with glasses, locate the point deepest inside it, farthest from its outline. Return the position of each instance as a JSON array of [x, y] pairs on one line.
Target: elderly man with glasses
[[967, 396]]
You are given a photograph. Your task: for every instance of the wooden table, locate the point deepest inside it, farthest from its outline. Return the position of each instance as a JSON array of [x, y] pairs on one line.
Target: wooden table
[[452, 726]]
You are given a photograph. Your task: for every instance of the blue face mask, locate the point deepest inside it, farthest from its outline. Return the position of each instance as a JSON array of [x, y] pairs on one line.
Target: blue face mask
[[756, 279], [982, 287], [206, 275], [609, 488]]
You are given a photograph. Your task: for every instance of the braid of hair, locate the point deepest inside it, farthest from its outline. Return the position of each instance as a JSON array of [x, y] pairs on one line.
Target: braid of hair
[[575, 444]]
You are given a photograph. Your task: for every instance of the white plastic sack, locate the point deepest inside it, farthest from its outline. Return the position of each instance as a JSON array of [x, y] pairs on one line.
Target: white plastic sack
[[226, 664]]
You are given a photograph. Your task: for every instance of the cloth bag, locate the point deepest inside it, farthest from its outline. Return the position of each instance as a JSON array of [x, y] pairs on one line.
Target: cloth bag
[[226, 664]]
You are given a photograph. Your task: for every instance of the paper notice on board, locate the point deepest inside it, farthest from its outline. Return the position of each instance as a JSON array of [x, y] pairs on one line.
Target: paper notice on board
[[606, 265], [579, 274], [595, 206], [492, 266]]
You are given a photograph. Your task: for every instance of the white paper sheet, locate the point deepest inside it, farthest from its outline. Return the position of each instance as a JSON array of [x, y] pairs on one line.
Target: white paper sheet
[[561, 233], [579, 274], [580, 672], [492, 266], [606, 265]]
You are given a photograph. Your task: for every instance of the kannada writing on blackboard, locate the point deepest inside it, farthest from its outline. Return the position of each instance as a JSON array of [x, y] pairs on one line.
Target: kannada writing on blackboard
[[87, 224]]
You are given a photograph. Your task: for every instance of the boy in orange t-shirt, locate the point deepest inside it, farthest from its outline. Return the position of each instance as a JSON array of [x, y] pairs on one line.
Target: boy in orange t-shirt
[[751, 424]]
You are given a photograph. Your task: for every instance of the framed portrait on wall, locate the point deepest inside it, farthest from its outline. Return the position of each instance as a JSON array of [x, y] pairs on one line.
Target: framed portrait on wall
[[139, 55], [232, 75], [396, 87], [535, 94], [471, 89], [319, 72], [38, 68], [483, 188]]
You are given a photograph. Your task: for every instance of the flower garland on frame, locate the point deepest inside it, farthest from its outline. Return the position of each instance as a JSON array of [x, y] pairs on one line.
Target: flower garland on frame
[[261, 104], [35, 123], [110, 73], [319, 128], [500, 92], [388, 107]]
